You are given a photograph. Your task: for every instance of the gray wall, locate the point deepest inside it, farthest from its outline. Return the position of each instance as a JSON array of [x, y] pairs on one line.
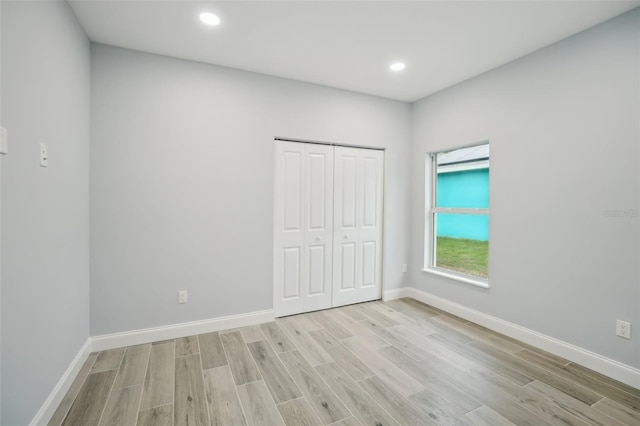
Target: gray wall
[[563, 127], [182, 172], [45, 212], [1, 123]]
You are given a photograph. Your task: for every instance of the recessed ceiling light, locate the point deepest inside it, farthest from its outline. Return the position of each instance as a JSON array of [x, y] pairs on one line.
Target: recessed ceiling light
[[210, 18], [397, 66]]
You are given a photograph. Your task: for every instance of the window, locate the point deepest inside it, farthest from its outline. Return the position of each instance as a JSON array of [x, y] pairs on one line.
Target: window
[[458, 220]]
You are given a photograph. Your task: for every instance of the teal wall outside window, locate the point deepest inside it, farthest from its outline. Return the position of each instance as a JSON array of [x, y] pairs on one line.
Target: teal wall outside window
[[464, 189]]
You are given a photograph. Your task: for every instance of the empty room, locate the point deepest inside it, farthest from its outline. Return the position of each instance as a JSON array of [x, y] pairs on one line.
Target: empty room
[[319, 213]]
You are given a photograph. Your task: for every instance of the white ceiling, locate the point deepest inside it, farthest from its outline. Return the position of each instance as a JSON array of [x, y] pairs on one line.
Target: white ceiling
[[347, 44]]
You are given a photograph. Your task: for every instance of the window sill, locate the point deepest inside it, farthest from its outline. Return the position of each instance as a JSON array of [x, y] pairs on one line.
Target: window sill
[[478, 282]]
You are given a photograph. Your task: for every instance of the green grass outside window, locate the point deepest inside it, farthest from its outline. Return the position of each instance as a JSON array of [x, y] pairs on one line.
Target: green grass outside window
[[469, 257]]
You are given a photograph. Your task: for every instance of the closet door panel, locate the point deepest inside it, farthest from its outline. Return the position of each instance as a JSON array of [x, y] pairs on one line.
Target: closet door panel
[[347, 266], [289, 232], [345, 235], [320, 194], [369, 191], [370, 223], [291, 288], [369, 263], [292, 191], [317, 274], [357, 243], [318, 226], [348, 186]]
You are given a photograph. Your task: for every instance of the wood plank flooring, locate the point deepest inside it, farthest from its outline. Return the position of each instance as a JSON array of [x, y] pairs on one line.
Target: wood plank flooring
[[395, 363]]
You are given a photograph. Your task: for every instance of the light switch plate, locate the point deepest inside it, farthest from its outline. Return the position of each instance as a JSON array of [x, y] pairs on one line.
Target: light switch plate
[[4, 148]]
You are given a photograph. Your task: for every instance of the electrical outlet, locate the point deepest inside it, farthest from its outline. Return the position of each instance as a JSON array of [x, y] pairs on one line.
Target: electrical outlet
[[404, 267], [4, 149], [182, 296], [623, 329], [44, 156]]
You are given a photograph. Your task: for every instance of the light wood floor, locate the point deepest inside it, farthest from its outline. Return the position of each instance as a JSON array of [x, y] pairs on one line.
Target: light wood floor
[[400, 362]]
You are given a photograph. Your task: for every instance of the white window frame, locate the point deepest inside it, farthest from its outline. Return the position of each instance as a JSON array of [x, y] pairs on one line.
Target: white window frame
[[431, 186]]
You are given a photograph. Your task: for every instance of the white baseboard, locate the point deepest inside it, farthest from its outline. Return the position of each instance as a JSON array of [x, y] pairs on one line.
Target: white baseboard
[[155, 334], [137, 337], [609, 367], [396, 293], [54, 399]]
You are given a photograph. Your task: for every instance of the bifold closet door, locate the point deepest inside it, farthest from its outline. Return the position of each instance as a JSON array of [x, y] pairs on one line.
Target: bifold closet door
[[303, 227], [357, 223]]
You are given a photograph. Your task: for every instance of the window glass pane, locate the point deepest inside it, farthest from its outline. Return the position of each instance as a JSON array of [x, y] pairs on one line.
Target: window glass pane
[[463, 178], [462, 243]]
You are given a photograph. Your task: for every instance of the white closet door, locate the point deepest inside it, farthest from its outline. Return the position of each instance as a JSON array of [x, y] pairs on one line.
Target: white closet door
[[357, 250], [303, 227]]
